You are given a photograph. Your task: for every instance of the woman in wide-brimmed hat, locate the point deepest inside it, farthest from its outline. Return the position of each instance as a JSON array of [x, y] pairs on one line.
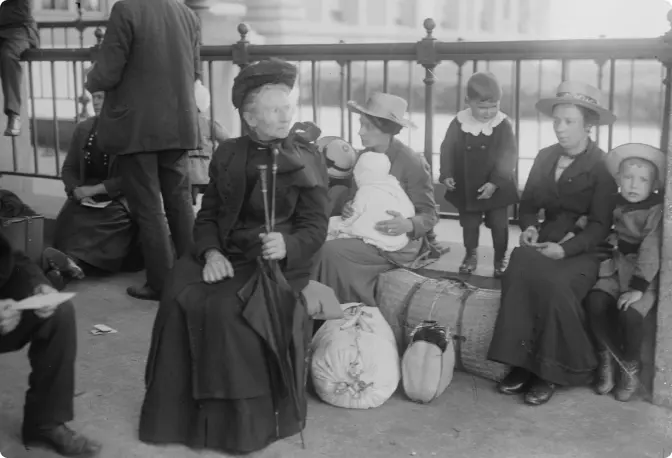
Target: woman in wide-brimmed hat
[[350, 266], [540, 331]]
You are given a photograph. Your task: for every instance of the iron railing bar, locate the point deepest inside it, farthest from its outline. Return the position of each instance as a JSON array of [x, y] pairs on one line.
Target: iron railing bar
[[33, 117], [348, 92], [612, 94], [55, 121], [313, 89]]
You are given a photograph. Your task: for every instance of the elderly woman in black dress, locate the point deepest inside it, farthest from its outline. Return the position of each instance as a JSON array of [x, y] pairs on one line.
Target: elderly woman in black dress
[[541, 330], [209, 373]]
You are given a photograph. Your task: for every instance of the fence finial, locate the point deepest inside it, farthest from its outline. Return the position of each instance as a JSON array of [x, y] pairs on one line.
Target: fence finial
[[668, 35], [243, 30], [429, 24]]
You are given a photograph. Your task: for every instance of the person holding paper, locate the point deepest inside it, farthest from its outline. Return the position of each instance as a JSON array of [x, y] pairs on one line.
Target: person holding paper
[[94, 230], [52, 334]]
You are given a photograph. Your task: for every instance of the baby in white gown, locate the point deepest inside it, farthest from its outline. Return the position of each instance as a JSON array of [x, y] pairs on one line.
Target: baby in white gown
[[377, 192]]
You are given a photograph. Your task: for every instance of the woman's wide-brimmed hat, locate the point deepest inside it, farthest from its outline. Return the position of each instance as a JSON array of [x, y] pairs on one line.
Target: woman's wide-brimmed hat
[[639, 151], [385, 106], [202, 96], [267, 71], [580, 94]]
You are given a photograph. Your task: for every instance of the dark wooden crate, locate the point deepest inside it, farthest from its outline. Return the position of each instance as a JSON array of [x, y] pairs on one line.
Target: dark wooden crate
[[25, 233]]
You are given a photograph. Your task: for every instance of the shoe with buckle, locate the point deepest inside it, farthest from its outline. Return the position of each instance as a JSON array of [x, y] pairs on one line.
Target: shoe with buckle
[[539, 392], [516, 382], [470, 262], [63, 440]]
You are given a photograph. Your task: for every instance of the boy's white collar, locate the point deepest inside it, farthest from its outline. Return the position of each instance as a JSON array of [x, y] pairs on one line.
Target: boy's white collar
[[473, 126]]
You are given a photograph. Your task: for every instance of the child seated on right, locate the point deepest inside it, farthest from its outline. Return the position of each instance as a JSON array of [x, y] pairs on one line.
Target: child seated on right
[[625, 293], [377, 192]]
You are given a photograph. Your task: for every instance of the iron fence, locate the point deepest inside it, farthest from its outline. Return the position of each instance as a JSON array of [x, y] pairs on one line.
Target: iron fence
[[634, 75]]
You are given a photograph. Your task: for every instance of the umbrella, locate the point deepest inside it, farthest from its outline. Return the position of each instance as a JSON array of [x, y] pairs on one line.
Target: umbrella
[[272, 309]]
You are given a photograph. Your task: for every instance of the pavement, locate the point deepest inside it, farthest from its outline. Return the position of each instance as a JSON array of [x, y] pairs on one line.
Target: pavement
[[469, 420]]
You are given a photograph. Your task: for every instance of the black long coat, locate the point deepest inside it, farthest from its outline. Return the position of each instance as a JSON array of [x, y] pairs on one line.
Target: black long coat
[[475, 160], [147, 66]]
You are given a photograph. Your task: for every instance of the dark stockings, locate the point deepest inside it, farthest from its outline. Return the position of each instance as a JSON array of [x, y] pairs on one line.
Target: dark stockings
[[621, 331]]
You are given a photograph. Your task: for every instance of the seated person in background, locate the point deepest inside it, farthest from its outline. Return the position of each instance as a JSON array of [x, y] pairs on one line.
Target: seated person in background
[[94, 229], [341, 158], [622, 298], [212, 133], [52, 334], [377, 192], [18, 32]]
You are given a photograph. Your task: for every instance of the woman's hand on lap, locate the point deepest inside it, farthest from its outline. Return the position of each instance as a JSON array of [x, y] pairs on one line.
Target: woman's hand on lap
[[273, 246], [551, 250], [398, 225], [217, 267], [628, 298], [529, 236], [449, 183]]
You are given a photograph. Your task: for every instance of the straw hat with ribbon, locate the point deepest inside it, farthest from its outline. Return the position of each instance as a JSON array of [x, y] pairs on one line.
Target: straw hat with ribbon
[[580, 94], [202, 96], [637, 151], [385, 106]]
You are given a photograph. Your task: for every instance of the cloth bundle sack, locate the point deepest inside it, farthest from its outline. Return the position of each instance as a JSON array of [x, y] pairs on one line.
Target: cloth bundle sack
[[355, 360], [428, 363], [406, 299]]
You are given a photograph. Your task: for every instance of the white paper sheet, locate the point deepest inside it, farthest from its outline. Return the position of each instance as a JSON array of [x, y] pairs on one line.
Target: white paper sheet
[[43, 300]]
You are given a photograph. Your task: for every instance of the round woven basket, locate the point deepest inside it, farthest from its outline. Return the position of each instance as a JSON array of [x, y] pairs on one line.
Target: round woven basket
[[406, 299]]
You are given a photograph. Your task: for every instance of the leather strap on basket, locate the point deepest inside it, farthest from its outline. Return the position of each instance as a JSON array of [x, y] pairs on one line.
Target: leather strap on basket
[[457, 334]]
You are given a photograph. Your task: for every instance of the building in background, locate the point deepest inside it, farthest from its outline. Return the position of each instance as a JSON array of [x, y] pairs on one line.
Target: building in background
[[329, 21]]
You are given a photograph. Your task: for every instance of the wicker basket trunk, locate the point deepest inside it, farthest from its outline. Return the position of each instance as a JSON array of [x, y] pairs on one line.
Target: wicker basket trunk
[[406, 299]]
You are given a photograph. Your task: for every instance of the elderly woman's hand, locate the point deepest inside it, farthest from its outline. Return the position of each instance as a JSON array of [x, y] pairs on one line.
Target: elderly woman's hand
[[273, 246], [217, 267], [529, 236], [551, 250], [398, 225]]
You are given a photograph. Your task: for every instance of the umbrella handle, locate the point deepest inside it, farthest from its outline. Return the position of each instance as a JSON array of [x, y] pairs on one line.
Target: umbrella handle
[[263, 177], [274, 174]]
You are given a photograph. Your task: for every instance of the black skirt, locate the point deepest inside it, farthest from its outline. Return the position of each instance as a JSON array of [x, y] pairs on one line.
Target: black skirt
[[101, 237], [241, 416], [541, 323]]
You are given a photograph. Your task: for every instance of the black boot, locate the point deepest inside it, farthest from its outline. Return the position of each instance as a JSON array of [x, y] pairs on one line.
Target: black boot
[[470, 262], [628, 381], [63, 440], [540, 392], [13, 126], [500, 266], [604, 381], [516, 382]]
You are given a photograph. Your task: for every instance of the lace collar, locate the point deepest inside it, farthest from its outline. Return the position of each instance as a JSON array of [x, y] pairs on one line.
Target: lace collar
[[473, 126]]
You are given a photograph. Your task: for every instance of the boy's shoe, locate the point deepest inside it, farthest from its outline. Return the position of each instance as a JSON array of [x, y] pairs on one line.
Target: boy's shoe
[[627, 382], [470, 262], [604, 381], [500, 267]]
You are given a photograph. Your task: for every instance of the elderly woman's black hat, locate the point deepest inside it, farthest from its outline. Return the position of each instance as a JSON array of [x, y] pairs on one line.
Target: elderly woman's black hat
[[258, 74]]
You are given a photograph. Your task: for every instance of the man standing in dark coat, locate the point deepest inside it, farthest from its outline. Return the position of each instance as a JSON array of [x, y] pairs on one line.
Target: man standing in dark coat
[[51, 332], [18, 32], [147, 65]]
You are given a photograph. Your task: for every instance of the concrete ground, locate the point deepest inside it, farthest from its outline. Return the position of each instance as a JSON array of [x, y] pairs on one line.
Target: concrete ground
[[469, 420]]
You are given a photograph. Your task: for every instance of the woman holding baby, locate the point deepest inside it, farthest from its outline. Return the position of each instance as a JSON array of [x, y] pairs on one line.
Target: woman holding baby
[[541, 330], [350, 265]]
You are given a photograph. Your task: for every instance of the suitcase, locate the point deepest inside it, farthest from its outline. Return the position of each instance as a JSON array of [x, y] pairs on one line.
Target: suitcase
[[26, 234]]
